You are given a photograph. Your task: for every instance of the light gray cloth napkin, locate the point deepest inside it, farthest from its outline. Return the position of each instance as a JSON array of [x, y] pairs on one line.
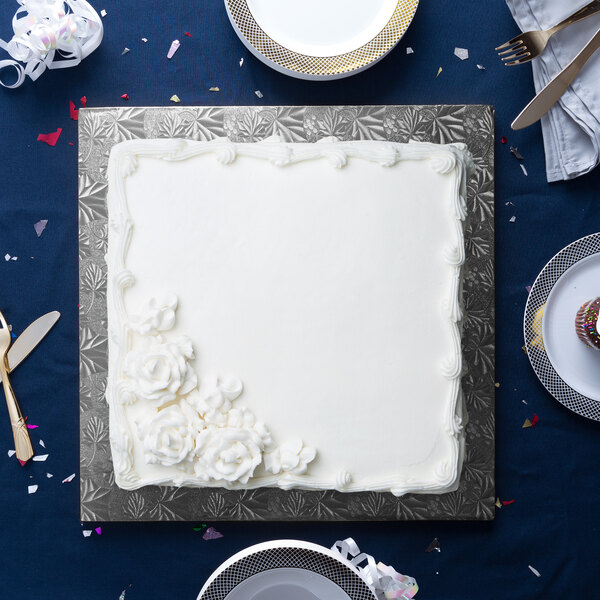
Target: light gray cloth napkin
[[572, 127]]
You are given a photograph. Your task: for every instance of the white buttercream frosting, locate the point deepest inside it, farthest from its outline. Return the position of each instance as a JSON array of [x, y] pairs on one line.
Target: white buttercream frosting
[[360, 379]]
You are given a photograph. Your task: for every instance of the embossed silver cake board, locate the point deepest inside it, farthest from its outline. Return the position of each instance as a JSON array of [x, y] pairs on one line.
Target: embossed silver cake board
[[101, 128]]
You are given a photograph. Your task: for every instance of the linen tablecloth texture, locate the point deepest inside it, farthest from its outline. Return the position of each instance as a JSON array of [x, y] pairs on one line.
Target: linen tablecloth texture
[[572, 127]]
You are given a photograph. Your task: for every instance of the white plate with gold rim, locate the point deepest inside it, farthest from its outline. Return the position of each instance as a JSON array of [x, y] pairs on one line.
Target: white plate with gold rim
[[320, 39]]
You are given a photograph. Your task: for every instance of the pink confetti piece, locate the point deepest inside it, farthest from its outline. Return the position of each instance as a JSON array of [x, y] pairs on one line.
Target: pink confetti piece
[[98, 530], [41, 457], [32, 489], [23, 462], [73, 112], [49, 475], [50, 138], [528, 288], [69, 478], [212, 534], [534, 571], [11, 453], [174, 47], [40, 226], [87, 532], [125, 96], [32, 426], [83, 101]]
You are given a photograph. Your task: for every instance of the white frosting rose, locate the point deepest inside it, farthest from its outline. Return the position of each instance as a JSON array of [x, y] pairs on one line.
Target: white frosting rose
[[159, 315], [214, 399], [291, 457], [161, 371], [228, 454], [169, 438]]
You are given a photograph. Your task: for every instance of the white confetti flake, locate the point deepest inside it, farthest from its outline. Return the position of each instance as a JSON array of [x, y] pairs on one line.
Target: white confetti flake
[[523, 169], [513, 219], [103, 13], [524, 401], [175, 98], [7, 257], [49, 475], [409, 50], [258, 93], [241, 61], [125, 51], [14, 258], [42, 444], [534, 571], [11, 453], [174, 47], [145, 40], [214, 89], [69, 478], [41, 457], [481, 67], [32, 489], [87, 532], [461, 53]]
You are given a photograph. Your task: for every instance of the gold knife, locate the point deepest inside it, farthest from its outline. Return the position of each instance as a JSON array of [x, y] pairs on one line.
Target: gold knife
[[550, 94]]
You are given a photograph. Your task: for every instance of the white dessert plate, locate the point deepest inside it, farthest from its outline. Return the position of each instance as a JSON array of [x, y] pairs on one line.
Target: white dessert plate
[[565, 365], [286, 569], [320, 39]]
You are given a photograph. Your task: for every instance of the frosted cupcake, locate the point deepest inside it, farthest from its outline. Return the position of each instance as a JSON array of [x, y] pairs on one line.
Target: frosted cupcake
[[586, 323]]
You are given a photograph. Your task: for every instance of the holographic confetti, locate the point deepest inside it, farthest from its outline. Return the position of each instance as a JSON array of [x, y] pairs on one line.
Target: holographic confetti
[[438, 73], [174, 47], [175, 98], [50, 138], [7, 257], [461, 53], [528, 288], [69, 478], [534, 571], [259, 93], [211, 534], [125, 51], [409, 50], [73, 112], [435, 545], [125, 96], [40, 457], [40, 226], [32, 489]]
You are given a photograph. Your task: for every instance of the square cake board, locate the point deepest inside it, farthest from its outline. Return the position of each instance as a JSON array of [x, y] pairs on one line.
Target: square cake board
[[101, 128]]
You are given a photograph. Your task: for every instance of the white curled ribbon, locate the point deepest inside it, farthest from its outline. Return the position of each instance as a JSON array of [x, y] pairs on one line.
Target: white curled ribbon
[[45, 30], [385, 581]]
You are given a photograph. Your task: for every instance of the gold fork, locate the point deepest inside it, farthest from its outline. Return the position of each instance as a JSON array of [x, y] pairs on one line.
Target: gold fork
[[529, 45], [20, 433]]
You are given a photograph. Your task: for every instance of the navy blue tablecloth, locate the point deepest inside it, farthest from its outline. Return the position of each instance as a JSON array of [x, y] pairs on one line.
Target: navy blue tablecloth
[[551, 471]]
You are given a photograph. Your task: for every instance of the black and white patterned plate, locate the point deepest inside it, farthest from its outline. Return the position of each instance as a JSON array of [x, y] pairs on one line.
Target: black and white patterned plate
[[539, 299], [283, 568]]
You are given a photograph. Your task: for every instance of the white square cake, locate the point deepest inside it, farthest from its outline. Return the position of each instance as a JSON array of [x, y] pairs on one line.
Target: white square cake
[[286, 315]]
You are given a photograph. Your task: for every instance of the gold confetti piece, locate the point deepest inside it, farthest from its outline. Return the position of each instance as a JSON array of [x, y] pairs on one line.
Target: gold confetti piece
[[214, 89], [497, 384], [527, 424], [498, 503], [175, 98], [438, 73]]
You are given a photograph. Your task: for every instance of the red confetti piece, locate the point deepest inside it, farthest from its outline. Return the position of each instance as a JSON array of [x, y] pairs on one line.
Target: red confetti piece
[[534, 420], [83, 101], [73, 111], [71, 144], [23, 462], [125, 96], [507, 502], [187, 33], [50, 138], [504, 140]]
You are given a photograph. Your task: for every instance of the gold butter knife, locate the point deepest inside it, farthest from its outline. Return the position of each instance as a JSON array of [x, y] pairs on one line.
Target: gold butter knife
[[23, 446], [550, 94]]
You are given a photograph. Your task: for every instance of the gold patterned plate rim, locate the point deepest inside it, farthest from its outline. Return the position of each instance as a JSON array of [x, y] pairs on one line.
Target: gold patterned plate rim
[[305, 66]]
